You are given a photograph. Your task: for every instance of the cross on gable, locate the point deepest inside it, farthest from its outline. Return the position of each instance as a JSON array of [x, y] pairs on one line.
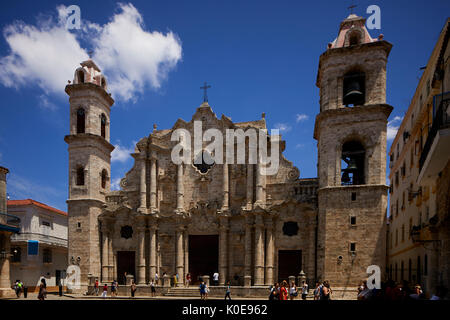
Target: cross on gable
[[205, 95], [352, 7]]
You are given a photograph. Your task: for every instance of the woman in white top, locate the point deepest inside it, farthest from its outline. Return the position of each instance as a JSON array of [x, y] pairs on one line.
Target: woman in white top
[[293, 291]]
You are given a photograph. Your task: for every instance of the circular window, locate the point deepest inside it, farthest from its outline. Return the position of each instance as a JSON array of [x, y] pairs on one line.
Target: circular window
[[126, 232], [290, 228]]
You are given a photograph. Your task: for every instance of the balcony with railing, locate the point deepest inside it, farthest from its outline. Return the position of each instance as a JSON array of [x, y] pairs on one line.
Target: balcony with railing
[[42, 238], [9, 222], [436, 151]]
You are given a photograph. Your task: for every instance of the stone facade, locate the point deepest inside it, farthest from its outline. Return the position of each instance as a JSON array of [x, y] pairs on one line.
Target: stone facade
[[262, 229], [352, 216]]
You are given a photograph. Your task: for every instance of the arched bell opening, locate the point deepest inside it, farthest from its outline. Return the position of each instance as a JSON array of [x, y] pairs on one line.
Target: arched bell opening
[[352, 163]]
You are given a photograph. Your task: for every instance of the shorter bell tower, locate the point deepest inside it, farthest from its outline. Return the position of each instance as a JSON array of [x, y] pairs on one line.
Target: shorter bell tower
[[351, 137], [89, 165]]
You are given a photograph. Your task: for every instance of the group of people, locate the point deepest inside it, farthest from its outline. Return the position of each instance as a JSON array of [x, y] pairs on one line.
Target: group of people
[[401, 291], [285, 292], [114, 288]]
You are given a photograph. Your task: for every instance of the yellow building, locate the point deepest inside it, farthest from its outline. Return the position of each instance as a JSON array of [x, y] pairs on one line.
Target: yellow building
[[418, 236]]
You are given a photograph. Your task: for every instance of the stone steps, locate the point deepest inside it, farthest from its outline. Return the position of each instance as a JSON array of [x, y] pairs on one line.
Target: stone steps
[[183, 292]]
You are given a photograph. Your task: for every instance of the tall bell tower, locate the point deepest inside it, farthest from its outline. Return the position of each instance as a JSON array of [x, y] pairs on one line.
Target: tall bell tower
[[351, 137], [89, 165]]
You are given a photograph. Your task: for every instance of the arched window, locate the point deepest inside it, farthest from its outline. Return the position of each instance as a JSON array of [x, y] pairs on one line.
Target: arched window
[[354, 38], [354, 87], [103, 125], [80, 76], [104, 178], [353, 157], [80, 176], [81, 120]]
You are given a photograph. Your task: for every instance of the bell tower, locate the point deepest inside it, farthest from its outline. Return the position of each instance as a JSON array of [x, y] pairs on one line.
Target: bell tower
[[89, 165], [351, 137]]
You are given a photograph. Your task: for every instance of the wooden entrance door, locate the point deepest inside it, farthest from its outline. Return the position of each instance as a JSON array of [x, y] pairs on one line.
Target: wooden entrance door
[[289, 264], [203, 256], [125, 263]]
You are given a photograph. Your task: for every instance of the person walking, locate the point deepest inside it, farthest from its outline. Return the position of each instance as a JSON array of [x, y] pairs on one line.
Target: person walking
[[228, 292], [156, 278], [42, 290], [113, 288], [188, 279], [283, 291], [152, 288], [133, 288], [364, 292], [175, 280], [202, 290], [105, 291], [317, 291], [305, 290], [326, 291], [206, 291], [96, 287], [293, 293], [274, 292]]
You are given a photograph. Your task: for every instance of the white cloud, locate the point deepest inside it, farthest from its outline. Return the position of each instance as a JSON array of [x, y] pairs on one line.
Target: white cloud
[[45, 103], [47, 54], [115, 184], [121, 153], [301, 117], [133, 57], [392, 127], [299, 145], [282, 127]]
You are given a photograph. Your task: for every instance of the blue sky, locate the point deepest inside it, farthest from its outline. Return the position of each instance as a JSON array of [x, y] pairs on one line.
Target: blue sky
[[259, 56]]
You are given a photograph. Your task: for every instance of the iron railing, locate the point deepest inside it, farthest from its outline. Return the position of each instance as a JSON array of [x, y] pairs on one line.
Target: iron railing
[[42, 238], [9, 220], [441, 120]]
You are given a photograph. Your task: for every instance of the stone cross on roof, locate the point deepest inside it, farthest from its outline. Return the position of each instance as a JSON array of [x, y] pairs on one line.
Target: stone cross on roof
[[205, 95]]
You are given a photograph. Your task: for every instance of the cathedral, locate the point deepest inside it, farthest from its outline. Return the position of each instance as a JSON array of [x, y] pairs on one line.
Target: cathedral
[[253, 229]]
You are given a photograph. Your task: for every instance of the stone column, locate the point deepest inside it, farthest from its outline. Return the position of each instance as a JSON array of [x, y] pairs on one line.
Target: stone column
[[226, 198], [269, 252], [248, 252], [249, 186], [223, 250], [152, 251], [5, 281], [143, 185], [110, 259], [180, 255], [141, 255], [180, 189], [186, 252], [259, 252], [105, 258], [153, 184], [259, 185]]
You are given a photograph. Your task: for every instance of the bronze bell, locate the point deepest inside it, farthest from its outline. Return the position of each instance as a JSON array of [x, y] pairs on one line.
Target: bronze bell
[[351, 165], [345, 177], [353, 94]]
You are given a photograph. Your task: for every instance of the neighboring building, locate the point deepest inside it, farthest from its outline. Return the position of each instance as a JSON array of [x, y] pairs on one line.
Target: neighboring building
[[9, 225], [40, 249], [253, 229], [419, 229]]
